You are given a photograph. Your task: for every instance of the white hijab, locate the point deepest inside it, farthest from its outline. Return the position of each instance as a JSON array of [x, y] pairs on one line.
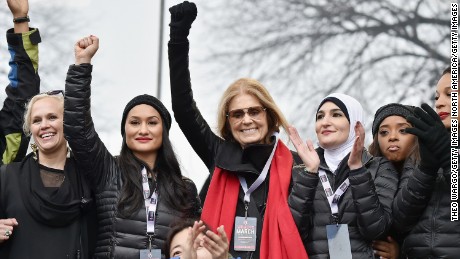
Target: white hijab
[[355, 112]]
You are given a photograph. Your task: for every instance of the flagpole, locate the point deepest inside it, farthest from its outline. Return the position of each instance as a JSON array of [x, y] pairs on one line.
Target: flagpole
[[160, 49]]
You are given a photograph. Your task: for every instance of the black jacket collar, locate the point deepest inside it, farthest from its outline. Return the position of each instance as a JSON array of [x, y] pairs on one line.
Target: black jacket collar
[[251, 159]]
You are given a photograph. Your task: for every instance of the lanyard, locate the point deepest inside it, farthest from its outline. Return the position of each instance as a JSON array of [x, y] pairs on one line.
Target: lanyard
[[333, 198], [151, 202], [260, 179]]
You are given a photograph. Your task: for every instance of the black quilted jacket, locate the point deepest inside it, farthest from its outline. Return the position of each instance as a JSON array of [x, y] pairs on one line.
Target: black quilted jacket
[[365, 207], [117, 237], [422, 210]]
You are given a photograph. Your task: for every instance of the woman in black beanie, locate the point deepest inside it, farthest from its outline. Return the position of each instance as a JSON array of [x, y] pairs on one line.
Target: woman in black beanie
[[390, 140], [141, 192]]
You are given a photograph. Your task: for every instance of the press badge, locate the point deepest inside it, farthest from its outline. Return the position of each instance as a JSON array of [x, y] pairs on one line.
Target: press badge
[[338, 240], [245, 236], [150, 254]]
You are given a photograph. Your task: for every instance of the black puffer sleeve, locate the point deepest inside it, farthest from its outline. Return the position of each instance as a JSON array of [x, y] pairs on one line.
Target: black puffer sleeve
[[414, 193], [91, 154], [373, 198], [301, 199]]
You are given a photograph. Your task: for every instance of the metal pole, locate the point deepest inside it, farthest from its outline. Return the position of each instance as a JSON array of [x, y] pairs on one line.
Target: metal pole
[[160, 48]]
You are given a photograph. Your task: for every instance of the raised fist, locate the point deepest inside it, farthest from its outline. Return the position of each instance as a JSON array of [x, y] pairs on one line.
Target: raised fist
[[19, 8], [85, 49], [182, 17]]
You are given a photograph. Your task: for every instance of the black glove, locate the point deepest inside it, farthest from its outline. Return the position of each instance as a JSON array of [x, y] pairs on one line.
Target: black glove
[[182, 17], [433, 138]]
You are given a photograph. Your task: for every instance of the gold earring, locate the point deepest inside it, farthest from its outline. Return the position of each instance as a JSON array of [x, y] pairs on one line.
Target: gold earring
[[34, 148]]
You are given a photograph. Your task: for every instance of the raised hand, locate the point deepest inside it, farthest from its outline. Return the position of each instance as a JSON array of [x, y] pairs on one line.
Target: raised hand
[[216, 244], [306, 150], [6, 228], [85, 49], [19, 8], [182, 17], [354, 161], [433, 137]]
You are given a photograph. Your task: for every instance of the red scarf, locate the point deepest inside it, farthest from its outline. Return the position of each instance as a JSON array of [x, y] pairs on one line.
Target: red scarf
[[280, 236]]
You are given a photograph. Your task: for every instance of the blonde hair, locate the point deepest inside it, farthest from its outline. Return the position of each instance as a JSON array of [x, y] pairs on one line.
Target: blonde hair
[[27, 114], [275, 117]]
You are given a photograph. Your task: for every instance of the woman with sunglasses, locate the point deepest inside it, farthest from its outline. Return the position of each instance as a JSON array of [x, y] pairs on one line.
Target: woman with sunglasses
[[256, 216], [422, 207], [141, 192], [44, 201], [352, 192]]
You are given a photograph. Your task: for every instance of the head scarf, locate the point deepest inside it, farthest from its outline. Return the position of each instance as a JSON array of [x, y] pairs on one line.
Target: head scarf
[[353, 112]]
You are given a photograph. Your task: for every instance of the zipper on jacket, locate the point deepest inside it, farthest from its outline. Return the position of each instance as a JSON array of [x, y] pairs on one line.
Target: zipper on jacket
[[433, 220]]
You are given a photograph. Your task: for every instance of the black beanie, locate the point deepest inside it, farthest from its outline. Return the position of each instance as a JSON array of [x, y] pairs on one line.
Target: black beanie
[[390, 110], [149, 100]]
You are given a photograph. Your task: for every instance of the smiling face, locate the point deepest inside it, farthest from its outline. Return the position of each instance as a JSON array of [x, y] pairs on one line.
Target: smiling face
[[144, 132], [179, 243], [443, 99], [395, 144], [46, 125], [248, 129], [332, 126]]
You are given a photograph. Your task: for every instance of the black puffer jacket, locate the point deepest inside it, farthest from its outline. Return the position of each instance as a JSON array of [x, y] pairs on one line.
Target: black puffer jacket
[[228, 155], [365, 207], [117, 237], [422, 211]]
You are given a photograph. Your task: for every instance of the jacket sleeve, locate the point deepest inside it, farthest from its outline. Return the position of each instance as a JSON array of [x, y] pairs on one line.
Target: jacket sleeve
[[24, 83], [186, 113], [373, 198], [414, 194], [301, 199], [91, 155]]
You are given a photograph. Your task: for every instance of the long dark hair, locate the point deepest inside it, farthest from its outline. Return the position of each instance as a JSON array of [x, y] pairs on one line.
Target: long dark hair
[[171, 186]]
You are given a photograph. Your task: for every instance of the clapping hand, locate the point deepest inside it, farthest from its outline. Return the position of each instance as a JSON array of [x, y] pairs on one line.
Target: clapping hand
[[355, 159], [305, 150]]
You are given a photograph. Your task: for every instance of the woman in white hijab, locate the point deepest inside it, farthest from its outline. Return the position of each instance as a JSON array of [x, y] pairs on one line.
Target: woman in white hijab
[[349, 192]]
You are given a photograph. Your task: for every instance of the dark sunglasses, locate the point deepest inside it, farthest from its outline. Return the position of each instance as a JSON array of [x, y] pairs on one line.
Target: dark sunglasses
[[237, 115]]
